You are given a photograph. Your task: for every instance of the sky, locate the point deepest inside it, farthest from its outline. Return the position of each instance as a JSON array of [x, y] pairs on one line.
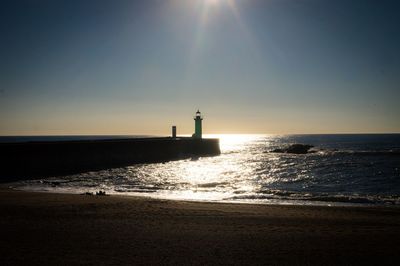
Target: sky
[[250, 66]]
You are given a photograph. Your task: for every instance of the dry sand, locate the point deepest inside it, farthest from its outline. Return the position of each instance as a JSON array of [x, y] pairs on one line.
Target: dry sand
[[59, 229]]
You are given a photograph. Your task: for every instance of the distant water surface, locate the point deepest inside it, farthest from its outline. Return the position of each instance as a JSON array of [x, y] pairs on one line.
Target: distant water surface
[[14, 139], [344, 169]]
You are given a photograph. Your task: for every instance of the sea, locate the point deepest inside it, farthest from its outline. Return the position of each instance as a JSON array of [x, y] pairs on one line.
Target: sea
[[341, 169]]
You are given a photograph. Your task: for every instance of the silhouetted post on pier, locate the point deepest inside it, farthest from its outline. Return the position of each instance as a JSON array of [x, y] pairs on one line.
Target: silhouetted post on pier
[[174, 132]]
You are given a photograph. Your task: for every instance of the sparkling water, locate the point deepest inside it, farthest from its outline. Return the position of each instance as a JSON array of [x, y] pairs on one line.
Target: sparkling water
[[340, 170]]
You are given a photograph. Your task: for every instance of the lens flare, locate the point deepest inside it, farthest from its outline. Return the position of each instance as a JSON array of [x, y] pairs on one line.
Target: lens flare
[[207, 9]]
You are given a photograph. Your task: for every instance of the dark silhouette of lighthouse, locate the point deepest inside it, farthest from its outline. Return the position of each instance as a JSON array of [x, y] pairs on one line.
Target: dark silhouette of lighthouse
[[197, 125]]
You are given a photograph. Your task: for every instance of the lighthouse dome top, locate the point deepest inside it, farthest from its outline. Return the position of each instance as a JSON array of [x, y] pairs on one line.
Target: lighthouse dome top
[[198, 114]]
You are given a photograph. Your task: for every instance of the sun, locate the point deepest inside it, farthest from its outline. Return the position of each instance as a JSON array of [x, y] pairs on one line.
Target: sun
[[212, 2]]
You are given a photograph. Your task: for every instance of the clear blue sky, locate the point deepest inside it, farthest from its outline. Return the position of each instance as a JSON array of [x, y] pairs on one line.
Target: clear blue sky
[[251, 66]]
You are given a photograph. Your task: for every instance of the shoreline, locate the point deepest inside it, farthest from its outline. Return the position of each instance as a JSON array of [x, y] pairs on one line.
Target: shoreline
[[71, 229], [273, 202]]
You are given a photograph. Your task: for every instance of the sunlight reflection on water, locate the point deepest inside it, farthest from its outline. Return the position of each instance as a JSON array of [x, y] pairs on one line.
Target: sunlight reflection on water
[[207, 178], [246, 172]]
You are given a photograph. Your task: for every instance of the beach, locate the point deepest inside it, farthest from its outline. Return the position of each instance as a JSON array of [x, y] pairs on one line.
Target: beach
[[68, 229]]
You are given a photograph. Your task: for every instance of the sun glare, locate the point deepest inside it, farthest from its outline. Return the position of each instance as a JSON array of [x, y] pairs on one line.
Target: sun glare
[[212, 2]]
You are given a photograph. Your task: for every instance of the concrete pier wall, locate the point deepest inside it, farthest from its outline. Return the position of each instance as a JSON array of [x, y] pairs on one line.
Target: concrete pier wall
[[42, 159]]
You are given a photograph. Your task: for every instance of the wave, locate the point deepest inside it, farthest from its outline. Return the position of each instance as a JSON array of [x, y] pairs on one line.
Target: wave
[[131, 190], [328, 152], [212, 184], [350, 199], [370, 153]]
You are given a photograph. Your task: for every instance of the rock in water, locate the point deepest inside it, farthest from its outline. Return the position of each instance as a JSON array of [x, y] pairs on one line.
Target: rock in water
[[295, 149]]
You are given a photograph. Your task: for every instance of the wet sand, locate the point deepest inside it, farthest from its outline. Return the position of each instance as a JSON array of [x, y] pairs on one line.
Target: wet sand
[[60, 229]]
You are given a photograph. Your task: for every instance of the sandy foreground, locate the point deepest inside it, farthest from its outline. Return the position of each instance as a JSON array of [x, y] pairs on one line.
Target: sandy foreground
[[60, 229]]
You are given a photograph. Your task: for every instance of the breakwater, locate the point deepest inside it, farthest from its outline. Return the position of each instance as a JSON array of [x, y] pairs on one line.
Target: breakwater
[[54, 158]]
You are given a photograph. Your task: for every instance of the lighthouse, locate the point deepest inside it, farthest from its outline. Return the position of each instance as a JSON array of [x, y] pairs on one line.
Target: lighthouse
[[197, 125]]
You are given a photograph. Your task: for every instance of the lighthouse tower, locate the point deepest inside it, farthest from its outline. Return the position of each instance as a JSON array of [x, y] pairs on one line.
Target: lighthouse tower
[[197, 125]]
